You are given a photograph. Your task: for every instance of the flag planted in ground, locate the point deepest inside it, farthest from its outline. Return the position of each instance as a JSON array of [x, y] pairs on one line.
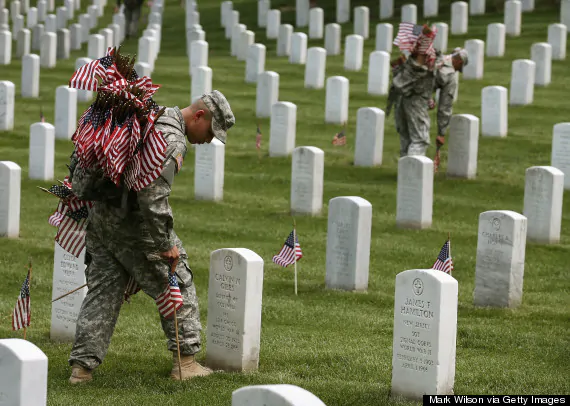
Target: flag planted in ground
[[443, 262], [258, 138], [289, 253], [339, 138], [21, 315], [170, 298]]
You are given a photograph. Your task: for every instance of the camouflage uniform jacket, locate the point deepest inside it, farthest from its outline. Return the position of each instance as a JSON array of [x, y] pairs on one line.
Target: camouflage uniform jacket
[[445, 81], [145, 220]]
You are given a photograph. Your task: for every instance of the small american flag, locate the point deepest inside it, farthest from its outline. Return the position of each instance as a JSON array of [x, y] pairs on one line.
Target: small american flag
[[58, 215], [170, 298], [22, 313], [411, 38], [42, 117], [287, 254], [258, 138], [339, 138], [443, 261]]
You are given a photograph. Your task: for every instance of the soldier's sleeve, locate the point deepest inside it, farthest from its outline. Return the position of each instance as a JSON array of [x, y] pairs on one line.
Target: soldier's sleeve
[[445, 104], [154, 206]]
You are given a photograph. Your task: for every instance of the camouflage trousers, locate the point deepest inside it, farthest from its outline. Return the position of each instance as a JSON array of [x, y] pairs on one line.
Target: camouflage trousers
[[413, 124], [107, 275]]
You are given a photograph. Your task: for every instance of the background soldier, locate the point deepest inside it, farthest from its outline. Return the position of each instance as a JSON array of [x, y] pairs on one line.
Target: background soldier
[[132, 12], [133, 237]]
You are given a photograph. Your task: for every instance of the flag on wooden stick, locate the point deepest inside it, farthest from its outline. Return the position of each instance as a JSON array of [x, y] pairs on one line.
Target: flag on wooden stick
[[258, 138], [21, 315], [290, 253], [170, 299], [339, 138]]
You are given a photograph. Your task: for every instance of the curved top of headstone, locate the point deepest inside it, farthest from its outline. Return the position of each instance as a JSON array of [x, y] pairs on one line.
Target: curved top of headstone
[[550, 169], [494, 88], [359, 201], [470, 117], [42, 125], [98, 36], [431, 274], [10, 165], [274, 395], [562, 127], [7, 83], [198, 27], [300, 34], [249, 32], [199, 42], [282, 104], [502, 213], [21, 349], [373, 109], [313, 150], [317, 49], [257, 45], [245, 253], [416, 158], [270, 73], [286, 26], [523, 61], [337, 79], [355, 36], [542, 44], [384, 53]]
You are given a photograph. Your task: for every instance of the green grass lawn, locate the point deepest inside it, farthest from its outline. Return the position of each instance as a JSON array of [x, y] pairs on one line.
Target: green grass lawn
[[338, 345]]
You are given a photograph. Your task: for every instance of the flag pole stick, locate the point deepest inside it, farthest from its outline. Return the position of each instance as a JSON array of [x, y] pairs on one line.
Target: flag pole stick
[[172, 270], [68, 293], [449, 239], [295, 252]]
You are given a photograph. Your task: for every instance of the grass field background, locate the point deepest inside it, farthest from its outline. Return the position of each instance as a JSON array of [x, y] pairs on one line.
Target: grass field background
[[335, 344]]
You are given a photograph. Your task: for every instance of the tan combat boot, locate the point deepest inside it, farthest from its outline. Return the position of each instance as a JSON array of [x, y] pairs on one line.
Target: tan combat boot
[[190, 368], [79, 374]]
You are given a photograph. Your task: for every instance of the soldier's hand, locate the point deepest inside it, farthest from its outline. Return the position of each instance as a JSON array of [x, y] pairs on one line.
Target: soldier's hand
[[171, 255], [440, 140], [431, 104]]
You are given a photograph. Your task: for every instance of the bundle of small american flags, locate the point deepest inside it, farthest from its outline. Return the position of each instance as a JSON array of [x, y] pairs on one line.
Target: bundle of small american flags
[[70, 217], [117, 133], [411, 38]]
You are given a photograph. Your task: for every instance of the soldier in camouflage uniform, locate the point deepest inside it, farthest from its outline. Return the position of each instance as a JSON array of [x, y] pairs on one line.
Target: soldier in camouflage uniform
[[134, 236], [445, 81]]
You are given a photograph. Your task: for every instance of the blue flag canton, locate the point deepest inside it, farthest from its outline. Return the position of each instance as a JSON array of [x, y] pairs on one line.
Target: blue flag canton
[[290, 242], [444, 253], [172, 280], [25, 291]]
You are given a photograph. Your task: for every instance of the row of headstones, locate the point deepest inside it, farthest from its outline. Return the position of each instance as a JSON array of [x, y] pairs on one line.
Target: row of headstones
[[25, 366], [415, 174]]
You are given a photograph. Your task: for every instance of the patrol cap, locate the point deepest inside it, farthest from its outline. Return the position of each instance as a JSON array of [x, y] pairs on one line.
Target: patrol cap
[[222, 117], [463, 54]]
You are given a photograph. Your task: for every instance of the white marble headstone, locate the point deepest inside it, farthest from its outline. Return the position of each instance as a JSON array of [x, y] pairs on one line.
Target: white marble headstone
[[232, 19], [301, 13], [247, 38], [63, 43], [61, 18], [494, 111], [476, 51], [557, 35], [83, 95], [342, 11], [209, 171], [513, 17], [283, 129], [560, 154], [409, 13], [284, 40], [278, 395], [235, 294], [116, 29], [425, 333], [30, 87], [51, 23], [37, 34], [5, 47], [198, 54], [75, 35], [315, 68], [24, 42], [32, 18], [459, 18], [7, 103], [273, 24], [267, 93], [316, 23], [332, 38], [96, 47], [496, 40], [23, 373], [415, 192], [65, 112], [541, 54], [225, 10], [384, 37], [379, 73], [234, 42], [85, 23], [477, 7], [440, 41], [354, 48], [522, 82], [499, 267], [369, 136], [307, 173], [263, 6], [362, 21], [298, 53], [42, 150], [527, 5], [463, 146], [68, 274], [10, 186], [336, 104], [201, 82], [142, 69], [543, 194], [386, 9], [255, 63], [565, 13], [349, 231]]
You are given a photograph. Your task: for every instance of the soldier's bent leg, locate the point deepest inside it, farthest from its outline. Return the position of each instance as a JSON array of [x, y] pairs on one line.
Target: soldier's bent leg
[[106, 280], [128, 21], [418, 125], [402, 129]]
